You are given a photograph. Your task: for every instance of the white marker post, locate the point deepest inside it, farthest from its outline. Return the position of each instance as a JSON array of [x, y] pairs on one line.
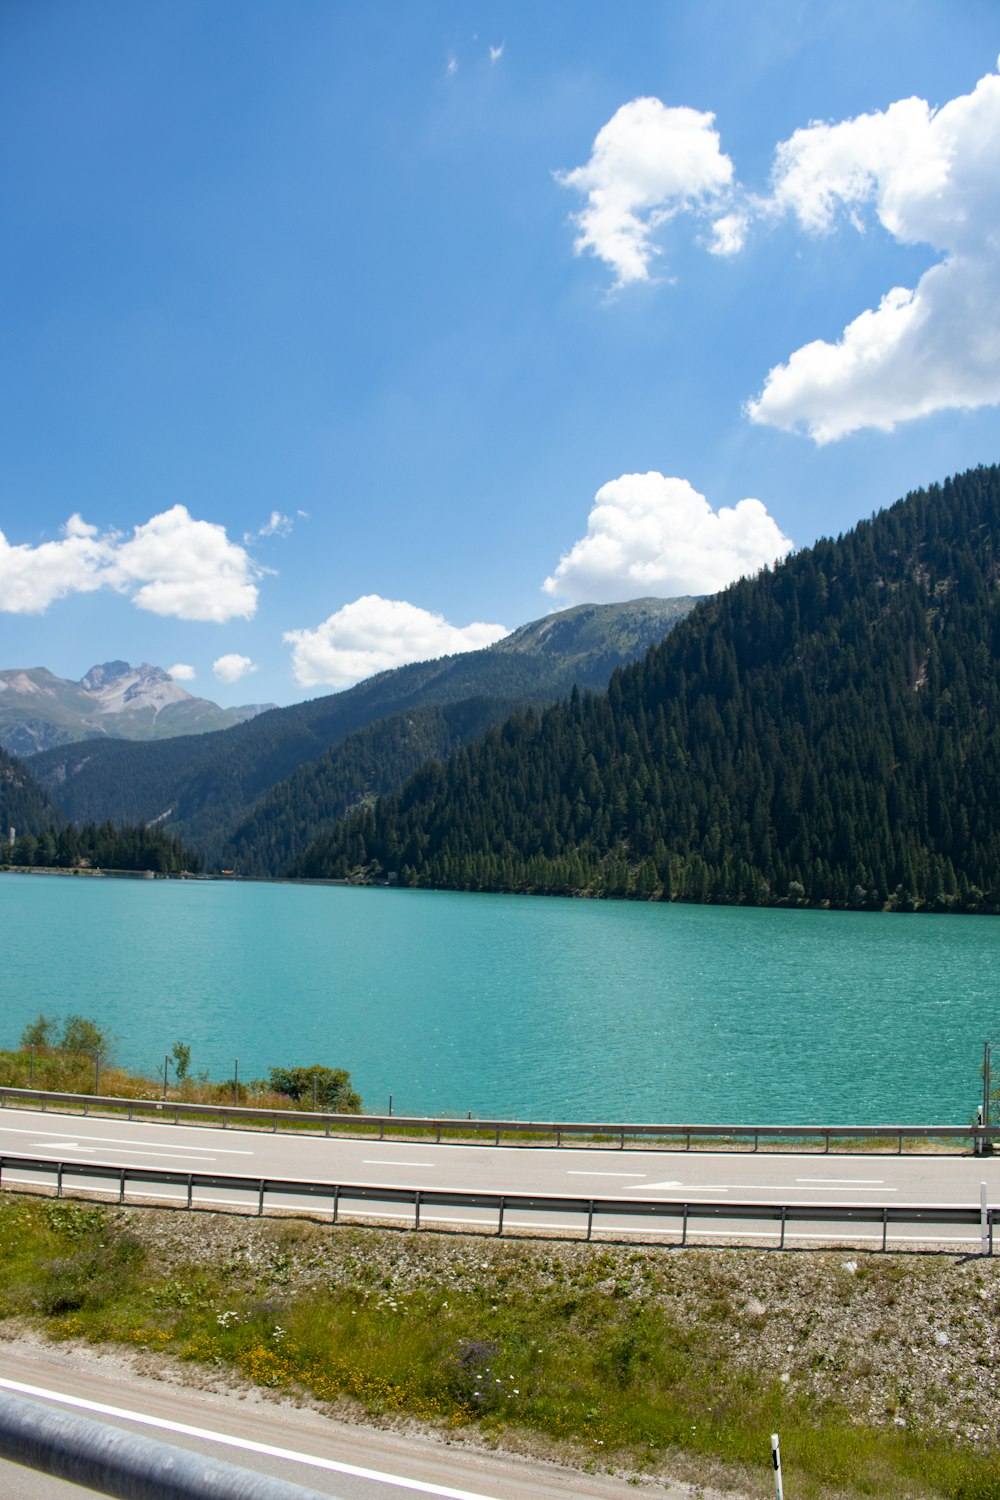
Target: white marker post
[[776, 1460]]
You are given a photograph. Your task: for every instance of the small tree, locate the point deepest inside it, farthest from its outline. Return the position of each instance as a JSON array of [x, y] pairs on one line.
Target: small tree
[[330, 1087], [181, 1054], [84, 1036], [39, 1033]]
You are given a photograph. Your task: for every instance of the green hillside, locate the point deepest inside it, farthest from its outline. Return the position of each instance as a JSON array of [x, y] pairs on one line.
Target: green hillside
[[204, 787], [24, 806], [827, 732]]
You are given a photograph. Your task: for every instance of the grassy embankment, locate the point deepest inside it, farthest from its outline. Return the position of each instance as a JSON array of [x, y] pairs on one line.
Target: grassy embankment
[[878, 1371]]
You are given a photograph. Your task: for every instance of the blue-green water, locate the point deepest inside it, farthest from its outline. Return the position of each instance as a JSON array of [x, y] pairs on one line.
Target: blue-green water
[[521, 1006]]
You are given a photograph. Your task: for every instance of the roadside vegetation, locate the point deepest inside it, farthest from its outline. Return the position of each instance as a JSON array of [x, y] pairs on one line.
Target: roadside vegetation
[[879, 1371], [75, 1055]]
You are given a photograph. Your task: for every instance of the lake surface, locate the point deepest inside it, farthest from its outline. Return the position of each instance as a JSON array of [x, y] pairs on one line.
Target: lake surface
[[521, 1006]]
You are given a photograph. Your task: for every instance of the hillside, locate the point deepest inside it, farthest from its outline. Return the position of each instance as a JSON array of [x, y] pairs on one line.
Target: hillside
[[24, 806], [39, 710], [204, 787], [827, 732]]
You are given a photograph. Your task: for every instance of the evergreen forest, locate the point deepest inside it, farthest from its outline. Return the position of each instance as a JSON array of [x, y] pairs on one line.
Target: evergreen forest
[[825, 733]]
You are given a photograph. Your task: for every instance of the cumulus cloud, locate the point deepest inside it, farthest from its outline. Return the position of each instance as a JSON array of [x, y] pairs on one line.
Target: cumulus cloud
[[649, 163], [653, 534], [181, 672], [930, 177], [372, 635], [171, 565], [232, 666]]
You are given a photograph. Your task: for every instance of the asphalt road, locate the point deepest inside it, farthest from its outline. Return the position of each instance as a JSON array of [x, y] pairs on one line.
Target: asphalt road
[[702, 1177], [275, 1437]]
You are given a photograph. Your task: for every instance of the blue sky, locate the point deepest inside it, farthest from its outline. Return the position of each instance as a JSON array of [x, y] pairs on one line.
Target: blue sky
[[338, 335]]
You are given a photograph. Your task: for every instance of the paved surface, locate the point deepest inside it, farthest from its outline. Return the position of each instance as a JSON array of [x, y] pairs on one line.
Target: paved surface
[[327, 1454], [704, 1177]]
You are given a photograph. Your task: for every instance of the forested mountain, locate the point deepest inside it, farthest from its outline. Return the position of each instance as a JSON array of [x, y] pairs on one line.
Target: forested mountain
[[114, 700], [204, 787], [826, 732], [24, 806], [376, 759]]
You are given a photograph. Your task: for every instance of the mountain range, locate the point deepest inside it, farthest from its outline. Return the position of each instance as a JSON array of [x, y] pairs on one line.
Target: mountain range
[[253, 796], [39, 710]]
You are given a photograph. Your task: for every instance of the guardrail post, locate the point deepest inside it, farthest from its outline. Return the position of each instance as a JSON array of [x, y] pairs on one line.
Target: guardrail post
[[756, 1141], [336, 1202], [899, 1150], [260, 1199], [190, 1186], [416, 1207], [496, 1141], [130, 1112], [381, 1129], [826, 1143], [500, 1221], [684, 1226], [885, 1226], [225, 1119], [326, 1123], [621, 1145], [558, 1137], [590, 1218], [59, 1175], [687, 1142], [274, 1123], [121, 1186], [781, 1242]]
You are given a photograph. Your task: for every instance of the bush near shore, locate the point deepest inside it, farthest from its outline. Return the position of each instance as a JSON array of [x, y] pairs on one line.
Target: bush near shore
[[879, 1371]]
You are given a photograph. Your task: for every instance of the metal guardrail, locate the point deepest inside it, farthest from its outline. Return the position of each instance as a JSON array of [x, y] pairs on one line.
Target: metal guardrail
[[339, 1198], [174, 1111], [125, 1464]]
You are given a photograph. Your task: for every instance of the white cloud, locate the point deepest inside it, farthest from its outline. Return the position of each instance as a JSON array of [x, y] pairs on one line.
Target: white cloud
[[649, 163], [232, 666], [188, 569], [372, 635], [931, 177], [497, 52], [452, 66], [171, 565], [729, 234], [181, 672], [276, 525], [652, 534]]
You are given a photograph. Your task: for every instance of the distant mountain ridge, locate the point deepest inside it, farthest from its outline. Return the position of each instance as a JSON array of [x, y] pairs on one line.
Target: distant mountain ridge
[[206, 787], [113, 700]]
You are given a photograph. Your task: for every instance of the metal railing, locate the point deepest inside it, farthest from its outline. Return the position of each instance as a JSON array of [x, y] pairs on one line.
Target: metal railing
[[340, 1200], [601, 1132], [111, 1461]]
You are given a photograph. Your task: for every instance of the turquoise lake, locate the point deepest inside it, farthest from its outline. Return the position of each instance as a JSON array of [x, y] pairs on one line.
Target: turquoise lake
[[521, 1006]]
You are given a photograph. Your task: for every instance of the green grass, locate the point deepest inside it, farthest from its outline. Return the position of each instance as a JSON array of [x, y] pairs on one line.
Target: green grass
[[521, 1340]]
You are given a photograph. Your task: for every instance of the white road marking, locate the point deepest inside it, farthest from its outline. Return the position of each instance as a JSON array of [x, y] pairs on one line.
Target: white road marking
[[382, 1161], [59, 1146], [246, 1444], [202, 1160], [575, 1172], [756, 1187], [114, 1140], [829, 1181]]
